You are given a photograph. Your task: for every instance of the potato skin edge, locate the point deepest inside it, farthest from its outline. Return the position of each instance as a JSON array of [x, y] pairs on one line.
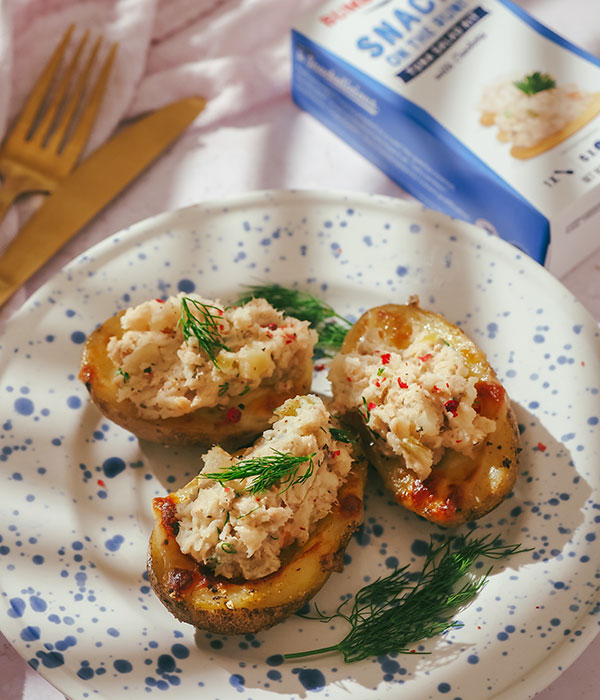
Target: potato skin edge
[[204, 427], [401, 482], [261, 603]]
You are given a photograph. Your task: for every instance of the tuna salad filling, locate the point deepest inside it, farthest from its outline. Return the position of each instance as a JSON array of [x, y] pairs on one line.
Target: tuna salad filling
[[186, 352], [416, 402], [238, 526]]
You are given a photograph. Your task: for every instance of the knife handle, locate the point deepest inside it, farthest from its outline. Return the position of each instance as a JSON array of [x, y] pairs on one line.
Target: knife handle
[[7, 289]]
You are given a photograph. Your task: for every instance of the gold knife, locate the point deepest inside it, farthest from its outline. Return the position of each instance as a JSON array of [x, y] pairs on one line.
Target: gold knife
[[89, 188]]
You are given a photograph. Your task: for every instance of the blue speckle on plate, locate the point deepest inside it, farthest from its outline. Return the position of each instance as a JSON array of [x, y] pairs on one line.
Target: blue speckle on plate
[[30, 633], [114, 543], [73, 402], [237, 681], [78, 337], [186, 286], [312, 679], [112, 467], [24, 406], [51, 659], [123, 666]]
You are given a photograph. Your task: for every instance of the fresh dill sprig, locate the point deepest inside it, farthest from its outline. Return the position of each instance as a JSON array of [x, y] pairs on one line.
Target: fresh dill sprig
[[239, 517], [123, 374], [535, 82], [366, 416], [292, 302], [330, 326], [394, 612], [203, 327], [331, 336], [267, 471], [342, 435]]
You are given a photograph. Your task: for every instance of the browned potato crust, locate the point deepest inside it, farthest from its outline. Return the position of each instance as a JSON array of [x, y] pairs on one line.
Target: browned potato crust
[[460, 488], [226, 606], [204, 427]]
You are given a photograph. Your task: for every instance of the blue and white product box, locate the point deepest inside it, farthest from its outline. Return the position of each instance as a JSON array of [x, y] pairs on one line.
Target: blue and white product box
[[472, 106]]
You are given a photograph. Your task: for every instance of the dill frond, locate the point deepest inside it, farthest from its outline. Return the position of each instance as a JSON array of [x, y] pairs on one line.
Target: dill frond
[[330, 326], [392, 613], [341, 435], [266, 471], [203, 327]]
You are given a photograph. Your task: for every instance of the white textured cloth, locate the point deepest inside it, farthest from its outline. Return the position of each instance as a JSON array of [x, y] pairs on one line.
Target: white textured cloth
[[236, 54]]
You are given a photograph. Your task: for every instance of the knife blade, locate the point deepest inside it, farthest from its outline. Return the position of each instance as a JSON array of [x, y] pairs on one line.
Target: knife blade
[[89, 188]]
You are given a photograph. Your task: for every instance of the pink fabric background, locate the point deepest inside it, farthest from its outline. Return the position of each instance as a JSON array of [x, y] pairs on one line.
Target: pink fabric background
[[251, 136]]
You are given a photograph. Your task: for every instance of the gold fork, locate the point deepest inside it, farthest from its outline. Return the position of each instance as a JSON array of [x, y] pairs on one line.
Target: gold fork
[[49, 135]]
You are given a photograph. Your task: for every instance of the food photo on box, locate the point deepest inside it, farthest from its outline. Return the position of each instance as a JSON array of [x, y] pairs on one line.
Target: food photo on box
[[430, 92], [299, 349]]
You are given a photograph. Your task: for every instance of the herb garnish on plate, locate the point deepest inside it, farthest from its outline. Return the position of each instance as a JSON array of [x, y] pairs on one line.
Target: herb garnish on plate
[[330, 326], [394, 612]]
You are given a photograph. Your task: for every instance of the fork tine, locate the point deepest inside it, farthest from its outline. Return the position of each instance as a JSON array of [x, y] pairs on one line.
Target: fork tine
[[78, 140], [43, 130], [55, 141], [25, 122]]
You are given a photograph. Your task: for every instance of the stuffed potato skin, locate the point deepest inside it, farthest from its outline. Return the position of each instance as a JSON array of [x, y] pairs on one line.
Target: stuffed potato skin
[[460, 488], [225, 606], [203, 427]]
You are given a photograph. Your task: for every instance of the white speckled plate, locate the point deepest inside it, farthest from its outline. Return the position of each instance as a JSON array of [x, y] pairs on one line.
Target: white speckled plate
[[76, 490]]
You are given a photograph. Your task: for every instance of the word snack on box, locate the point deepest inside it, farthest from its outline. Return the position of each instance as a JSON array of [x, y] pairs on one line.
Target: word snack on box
[[472, 106]]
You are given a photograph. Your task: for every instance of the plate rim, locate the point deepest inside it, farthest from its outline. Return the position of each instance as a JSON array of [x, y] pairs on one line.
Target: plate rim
[[274, 196]]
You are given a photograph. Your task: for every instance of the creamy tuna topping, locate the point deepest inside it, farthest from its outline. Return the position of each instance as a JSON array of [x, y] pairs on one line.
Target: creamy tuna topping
[[166, 375], [417, 401], [241, 534]]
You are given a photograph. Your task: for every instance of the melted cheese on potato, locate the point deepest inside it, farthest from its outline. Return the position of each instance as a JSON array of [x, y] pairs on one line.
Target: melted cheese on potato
[[237, 533], [166, 376], [417, 401]]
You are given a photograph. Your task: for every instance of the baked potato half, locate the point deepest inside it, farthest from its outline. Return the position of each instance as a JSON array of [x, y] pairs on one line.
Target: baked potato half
[[225, 606], [460, 482], [232, 424]]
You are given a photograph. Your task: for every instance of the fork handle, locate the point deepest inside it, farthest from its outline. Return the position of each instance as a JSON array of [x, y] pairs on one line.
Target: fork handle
[[9, 191], [17, 181]]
